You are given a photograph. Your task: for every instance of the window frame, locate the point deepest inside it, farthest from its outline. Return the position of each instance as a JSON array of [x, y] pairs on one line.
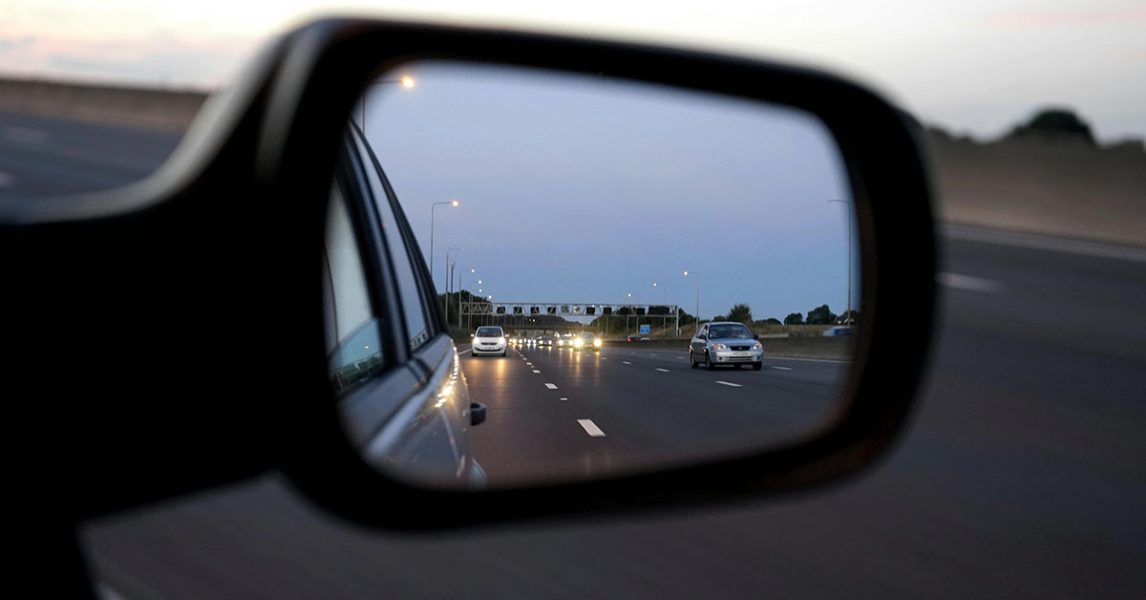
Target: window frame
[[427, 294]]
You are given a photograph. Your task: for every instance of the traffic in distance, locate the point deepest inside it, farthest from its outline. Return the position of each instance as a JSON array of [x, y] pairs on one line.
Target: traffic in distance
[[579, 196]]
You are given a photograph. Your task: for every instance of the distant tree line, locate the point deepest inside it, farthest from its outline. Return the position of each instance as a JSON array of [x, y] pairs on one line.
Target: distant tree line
[[820, 315]]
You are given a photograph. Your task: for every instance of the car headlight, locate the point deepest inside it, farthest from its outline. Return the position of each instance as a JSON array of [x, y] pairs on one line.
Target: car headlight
[[579, 343], [718, 346], [597, 343], [757, 346], [501, 340]]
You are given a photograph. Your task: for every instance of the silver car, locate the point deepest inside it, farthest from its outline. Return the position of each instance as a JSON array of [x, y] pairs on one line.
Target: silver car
[[725, 343]]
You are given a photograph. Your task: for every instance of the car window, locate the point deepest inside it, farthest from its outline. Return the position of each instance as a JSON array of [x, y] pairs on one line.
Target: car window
[[353, 340], [412, 293]]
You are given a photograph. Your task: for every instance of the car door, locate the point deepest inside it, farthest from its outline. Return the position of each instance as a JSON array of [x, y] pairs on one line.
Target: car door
[[406, 402], [697, 345]]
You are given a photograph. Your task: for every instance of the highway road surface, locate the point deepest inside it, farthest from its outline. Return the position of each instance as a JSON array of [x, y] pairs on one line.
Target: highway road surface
[[1023, 473], [561, 413]]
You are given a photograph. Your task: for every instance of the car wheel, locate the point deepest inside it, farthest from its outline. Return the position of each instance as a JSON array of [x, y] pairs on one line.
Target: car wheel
[[708, 362], [757, 366], [692, 361]]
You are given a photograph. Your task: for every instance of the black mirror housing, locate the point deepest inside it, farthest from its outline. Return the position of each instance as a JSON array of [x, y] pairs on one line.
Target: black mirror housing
[[263, 158]]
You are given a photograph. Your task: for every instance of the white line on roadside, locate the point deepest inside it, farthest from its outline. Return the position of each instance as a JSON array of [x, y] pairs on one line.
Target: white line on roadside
[[819, 360], [781, 368], [591, 428], [1043, 242], [969, 283], [729, 384], [663, 370], [536, 371], [551, 386]]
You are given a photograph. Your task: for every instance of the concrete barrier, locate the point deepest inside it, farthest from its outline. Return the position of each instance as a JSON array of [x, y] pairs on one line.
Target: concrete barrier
[[116, 105]]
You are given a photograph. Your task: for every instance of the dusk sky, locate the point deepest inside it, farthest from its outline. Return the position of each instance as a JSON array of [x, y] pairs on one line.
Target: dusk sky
[[976, 66], [580, 189]]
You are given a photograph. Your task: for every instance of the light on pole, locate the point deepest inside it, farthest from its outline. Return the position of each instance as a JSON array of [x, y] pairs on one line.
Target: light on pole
[[406, 82], [697, 277], [848, 314], [432, 207]]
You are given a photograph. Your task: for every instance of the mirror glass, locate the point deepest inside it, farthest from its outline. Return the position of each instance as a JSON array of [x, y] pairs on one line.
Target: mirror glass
[[570, 229]]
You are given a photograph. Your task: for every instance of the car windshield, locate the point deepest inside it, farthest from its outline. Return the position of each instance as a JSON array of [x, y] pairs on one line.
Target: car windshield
[[730, 331], [489, 332]]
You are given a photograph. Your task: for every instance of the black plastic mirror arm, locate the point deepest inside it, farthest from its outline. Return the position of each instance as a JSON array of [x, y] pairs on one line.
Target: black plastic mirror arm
[[323, 74]]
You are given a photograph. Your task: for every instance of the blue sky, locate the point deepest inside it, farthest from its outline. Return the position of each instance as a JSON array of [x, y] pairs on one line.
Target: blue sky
[[577, 189]]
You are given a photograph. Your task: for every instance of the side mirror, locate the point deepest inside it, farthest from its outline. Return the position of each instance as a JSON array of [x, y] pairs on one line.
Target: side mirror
[[280, 139]]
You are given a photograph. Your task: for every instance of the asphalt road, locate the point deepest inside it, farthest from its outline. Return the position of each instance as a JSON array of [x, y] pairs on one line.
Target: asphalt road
[[561, 413], [1022, 475], [42, 156]]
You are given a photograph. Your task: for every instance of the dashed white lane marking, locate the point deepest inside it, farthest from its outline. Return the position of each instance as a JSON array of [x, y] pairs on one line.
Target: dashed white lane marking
[[529, 363], [969, 283], [604, 358], [625, 362], [591, 428], [6, 179], [564, 399], [536, 371], [781, 368], [663, 370], [652, 355], [729, 384], [464, 351], [680, 358], [551, 386]]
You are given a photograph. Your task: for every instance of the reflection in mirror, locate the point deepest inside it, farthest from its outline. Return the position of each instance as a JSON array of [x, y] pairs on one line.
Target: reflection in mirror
[[571, 229]]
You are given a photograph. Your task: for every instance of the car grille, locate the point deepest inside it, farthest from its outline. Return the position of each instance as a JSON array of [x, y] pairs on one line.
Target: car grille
[[741, 347]]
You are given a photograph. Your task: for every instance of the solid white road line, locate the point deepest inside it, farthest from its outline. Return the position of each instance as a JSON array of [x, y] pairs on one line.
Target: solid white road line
[[729, 384], [551, 386], [969, 283], [591, 428], [1043, 242], [663, 370], [819, 360]]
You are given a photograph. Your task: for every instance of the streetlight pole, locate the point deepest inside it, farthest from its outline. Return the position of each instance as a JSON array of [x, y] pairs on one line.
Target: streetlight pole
[[461, 288], [432, 207], [697, 275], [664, 321], [848, 315], [449, 279]]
